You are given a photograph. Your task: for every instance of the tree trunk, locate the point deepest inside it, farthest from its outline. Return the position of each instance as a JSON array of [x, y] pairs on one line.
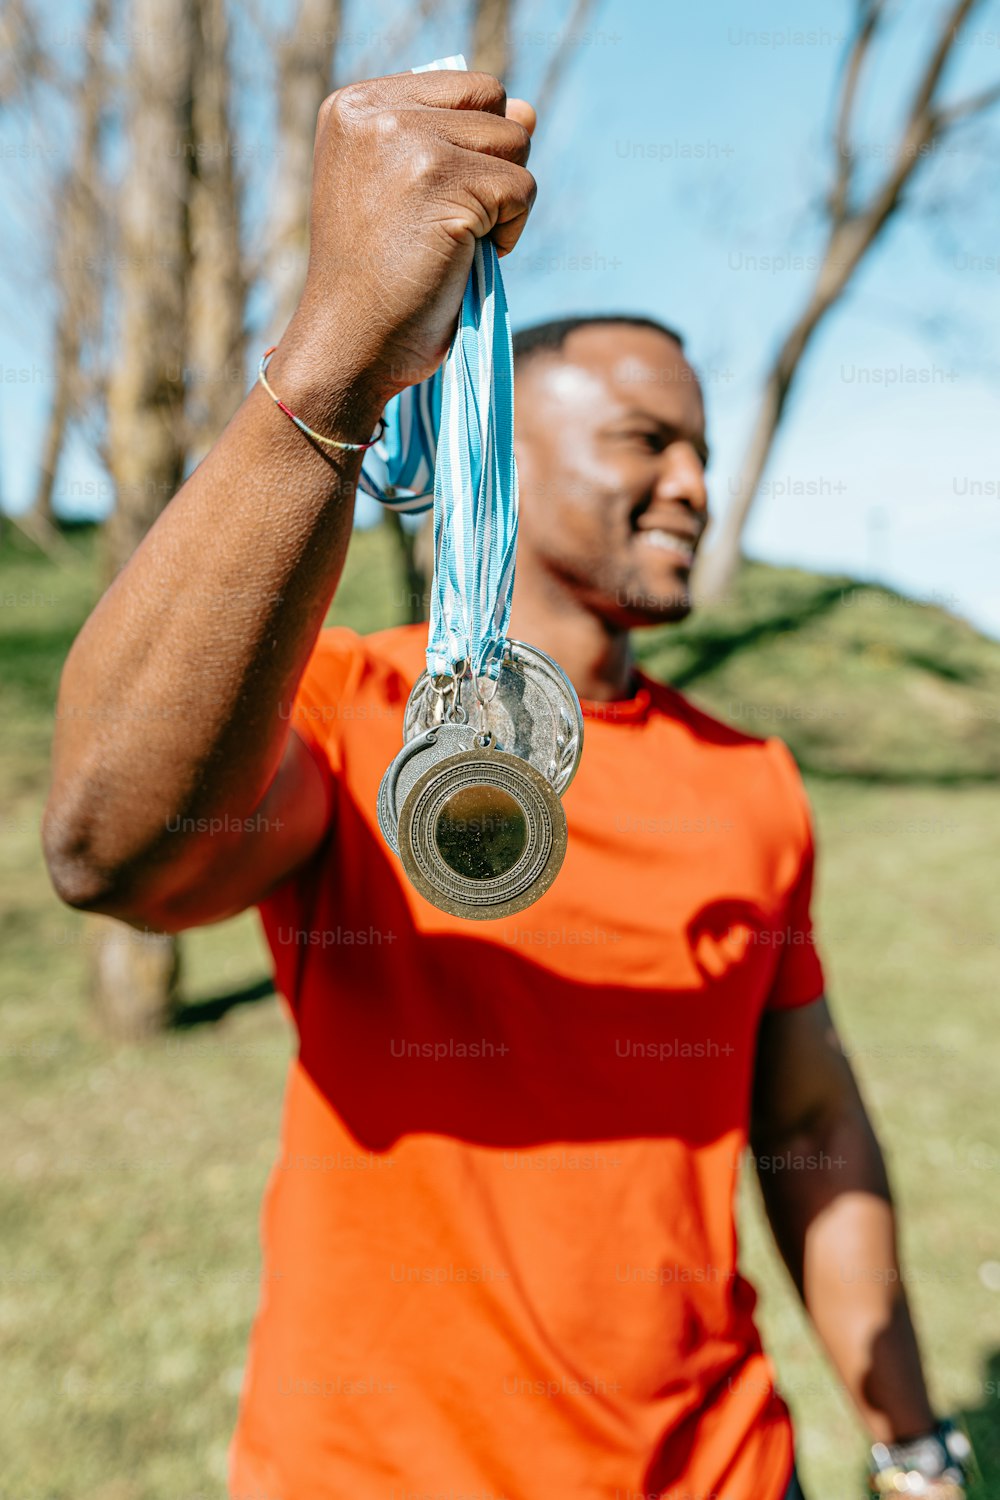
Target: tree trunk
[[146, 425], [42, 508], [415, 566], [490, 26], [305, 74], [135, 985], [217, 287], [716, 573], [77, 208], [134, 979]]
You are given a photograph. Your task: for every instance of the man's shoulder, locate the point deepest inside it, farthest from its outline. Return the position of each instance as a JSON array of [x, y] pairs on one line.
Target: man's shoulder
[[758, 765], [698, 722]]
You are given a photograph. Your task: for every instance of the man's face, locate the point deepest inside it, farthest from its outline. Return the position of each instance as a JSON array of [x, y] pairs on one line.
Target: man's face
[[610, 447]]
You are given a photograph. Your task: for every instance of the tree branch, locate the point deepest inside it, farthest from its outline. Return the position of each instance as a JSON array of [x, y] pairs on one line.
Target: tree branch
[[373, 62], [965, 109], [852, 234], [489, 48], [869, 16], [918, 133], [560, 57], [927, 87]]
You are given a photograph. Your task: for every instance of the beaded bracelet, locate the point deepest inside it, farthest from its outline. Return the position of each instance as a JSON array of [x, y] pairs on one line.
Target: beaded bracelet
[[317, 437]]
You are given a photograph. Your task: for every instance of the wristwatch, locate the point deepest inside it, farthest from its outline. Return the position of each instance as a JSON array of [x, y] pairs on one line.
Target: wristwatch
[[933, 1465]]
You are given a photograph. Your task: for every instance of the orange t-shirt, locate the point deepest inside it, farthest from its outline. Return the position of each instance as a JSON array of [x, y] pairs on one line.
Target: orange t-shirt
[[500, 1257]]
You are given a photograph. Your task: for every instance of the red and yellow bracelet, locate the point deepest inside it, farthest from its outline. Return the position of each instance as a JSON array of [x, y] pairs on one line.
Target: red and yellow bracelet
[[317, 437]]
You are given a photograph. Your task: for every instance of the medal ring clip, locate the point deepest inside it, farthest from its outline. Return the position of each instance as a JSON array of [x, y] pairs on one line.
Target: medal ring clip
[[483, 702], [478, 680], [450, 687], [458, 713]]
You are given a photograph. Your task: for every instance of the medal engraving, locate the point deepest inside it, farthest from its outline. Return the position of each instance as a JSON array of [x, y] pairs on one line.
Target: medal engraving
[[481, 833]]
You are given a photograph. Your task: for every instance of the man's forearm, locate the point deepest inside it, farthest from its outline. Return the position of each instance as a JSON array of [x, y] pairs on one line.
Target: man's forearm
[[170, 698], [828, 1200], [169, 701]]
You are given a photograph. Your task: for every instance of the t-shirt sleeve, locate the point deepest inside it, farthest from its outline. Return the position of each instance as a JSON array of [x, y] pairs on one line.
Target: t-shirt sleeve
[[317, 715], [316, 712], [798, 978]]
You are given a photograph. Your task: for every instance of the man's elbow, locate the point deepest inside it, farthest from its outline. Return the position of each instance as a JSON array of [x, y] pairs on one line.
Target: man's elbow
[[76, 878], [153, 895], [80, 877]]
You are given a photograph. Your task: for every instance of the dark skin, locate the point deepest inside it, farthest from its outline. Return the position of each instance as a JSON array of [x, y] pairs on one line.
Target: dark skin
[[611, 455], [174, 700]]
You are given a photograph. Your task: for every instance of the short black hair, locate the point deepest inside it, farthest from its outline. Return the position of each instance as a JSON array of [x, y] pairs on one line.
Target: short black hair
[[549, 338]]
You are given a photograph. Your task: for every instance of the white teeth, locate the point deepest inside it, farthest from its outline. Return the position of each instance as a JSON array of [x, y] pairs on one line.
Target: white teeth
[[667, 542]]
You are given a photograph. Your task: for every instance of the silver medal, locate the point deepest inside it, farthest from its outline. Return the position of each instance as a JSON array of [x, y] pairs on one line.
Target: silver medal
[[471, 802], [481, 833], [414, 758], [531, 710]]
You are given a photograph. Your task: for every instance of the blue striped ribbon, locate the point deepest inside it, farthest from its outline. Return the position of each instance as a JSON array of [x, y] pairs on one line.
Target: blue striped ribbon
[[475, 482], [399, 470], [452, 437]]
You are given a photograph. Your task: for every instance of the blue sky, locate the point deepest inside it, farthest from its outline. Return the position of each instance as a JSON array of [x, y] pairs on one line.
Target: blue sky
[[678, 176]]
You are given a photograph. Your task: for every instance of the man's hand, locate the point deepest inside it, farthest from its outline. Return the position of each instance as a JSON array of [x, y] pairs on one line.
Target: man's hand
[[409, 171]]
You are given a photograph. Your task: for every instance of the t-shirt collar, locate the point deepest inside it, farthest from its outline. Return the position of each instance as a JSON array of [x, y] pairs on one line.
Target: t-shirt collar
[[631, 710]]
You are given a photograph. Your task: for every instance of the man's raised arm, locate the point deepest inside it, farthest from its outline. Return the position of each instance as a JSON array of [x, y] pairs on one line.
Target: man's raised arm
[[170, 706]]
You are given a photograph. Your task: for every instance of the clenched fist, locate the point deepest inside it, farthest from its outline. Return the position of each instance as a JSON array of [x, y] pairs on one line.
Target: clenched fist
[[409, 171]]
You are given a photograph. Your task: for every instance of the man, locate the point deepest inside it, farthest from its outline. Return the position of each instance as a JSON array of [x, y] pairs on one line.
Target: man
[[500, 1257]]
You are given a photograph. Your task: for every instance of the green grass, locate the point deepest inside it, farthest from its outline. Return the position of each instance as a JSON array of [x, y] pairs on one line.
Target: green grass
[[861, 681], [131, 1178]]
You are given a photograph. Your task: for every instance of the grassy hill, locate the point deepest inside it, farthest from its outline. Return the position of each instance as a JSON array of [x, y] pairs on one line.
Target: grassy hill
[[130, 1179], [861, 681]]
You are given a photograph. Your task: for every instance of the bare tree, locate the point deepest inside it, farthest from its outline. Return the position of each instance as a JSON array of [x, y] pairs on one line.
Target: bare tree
[[855, 222], [79, 202], [135, 983], [146, 432], [304, 72], [490, 50], [217, 289], [24, 62], [561, 54]]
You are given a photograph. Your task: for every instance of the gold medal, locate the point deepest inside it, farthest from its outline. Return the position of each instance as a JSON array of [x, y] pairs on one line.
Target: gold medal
[[481, 833]]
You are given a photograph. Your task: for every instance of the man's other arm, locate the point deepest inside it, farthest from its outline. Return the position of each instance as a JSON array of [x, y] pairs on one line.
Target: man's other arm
[[827, 1196]]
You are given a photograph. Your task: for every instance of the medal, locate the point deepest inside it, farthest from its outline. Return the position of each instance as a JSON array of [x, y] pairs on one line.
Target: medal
[[481, 832], [415, 757], [492, 732], [531, 710]]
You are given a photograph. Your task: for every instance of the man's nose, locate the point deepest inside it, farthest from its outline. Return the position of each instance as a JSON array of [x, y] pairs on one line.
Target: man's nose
[[682, 477]]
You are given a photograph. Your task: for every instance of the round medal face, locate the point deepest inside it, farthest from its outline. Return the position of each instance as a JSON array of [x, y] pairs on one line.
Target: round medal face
[[481, 833], [533, 712], [415, 757]]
